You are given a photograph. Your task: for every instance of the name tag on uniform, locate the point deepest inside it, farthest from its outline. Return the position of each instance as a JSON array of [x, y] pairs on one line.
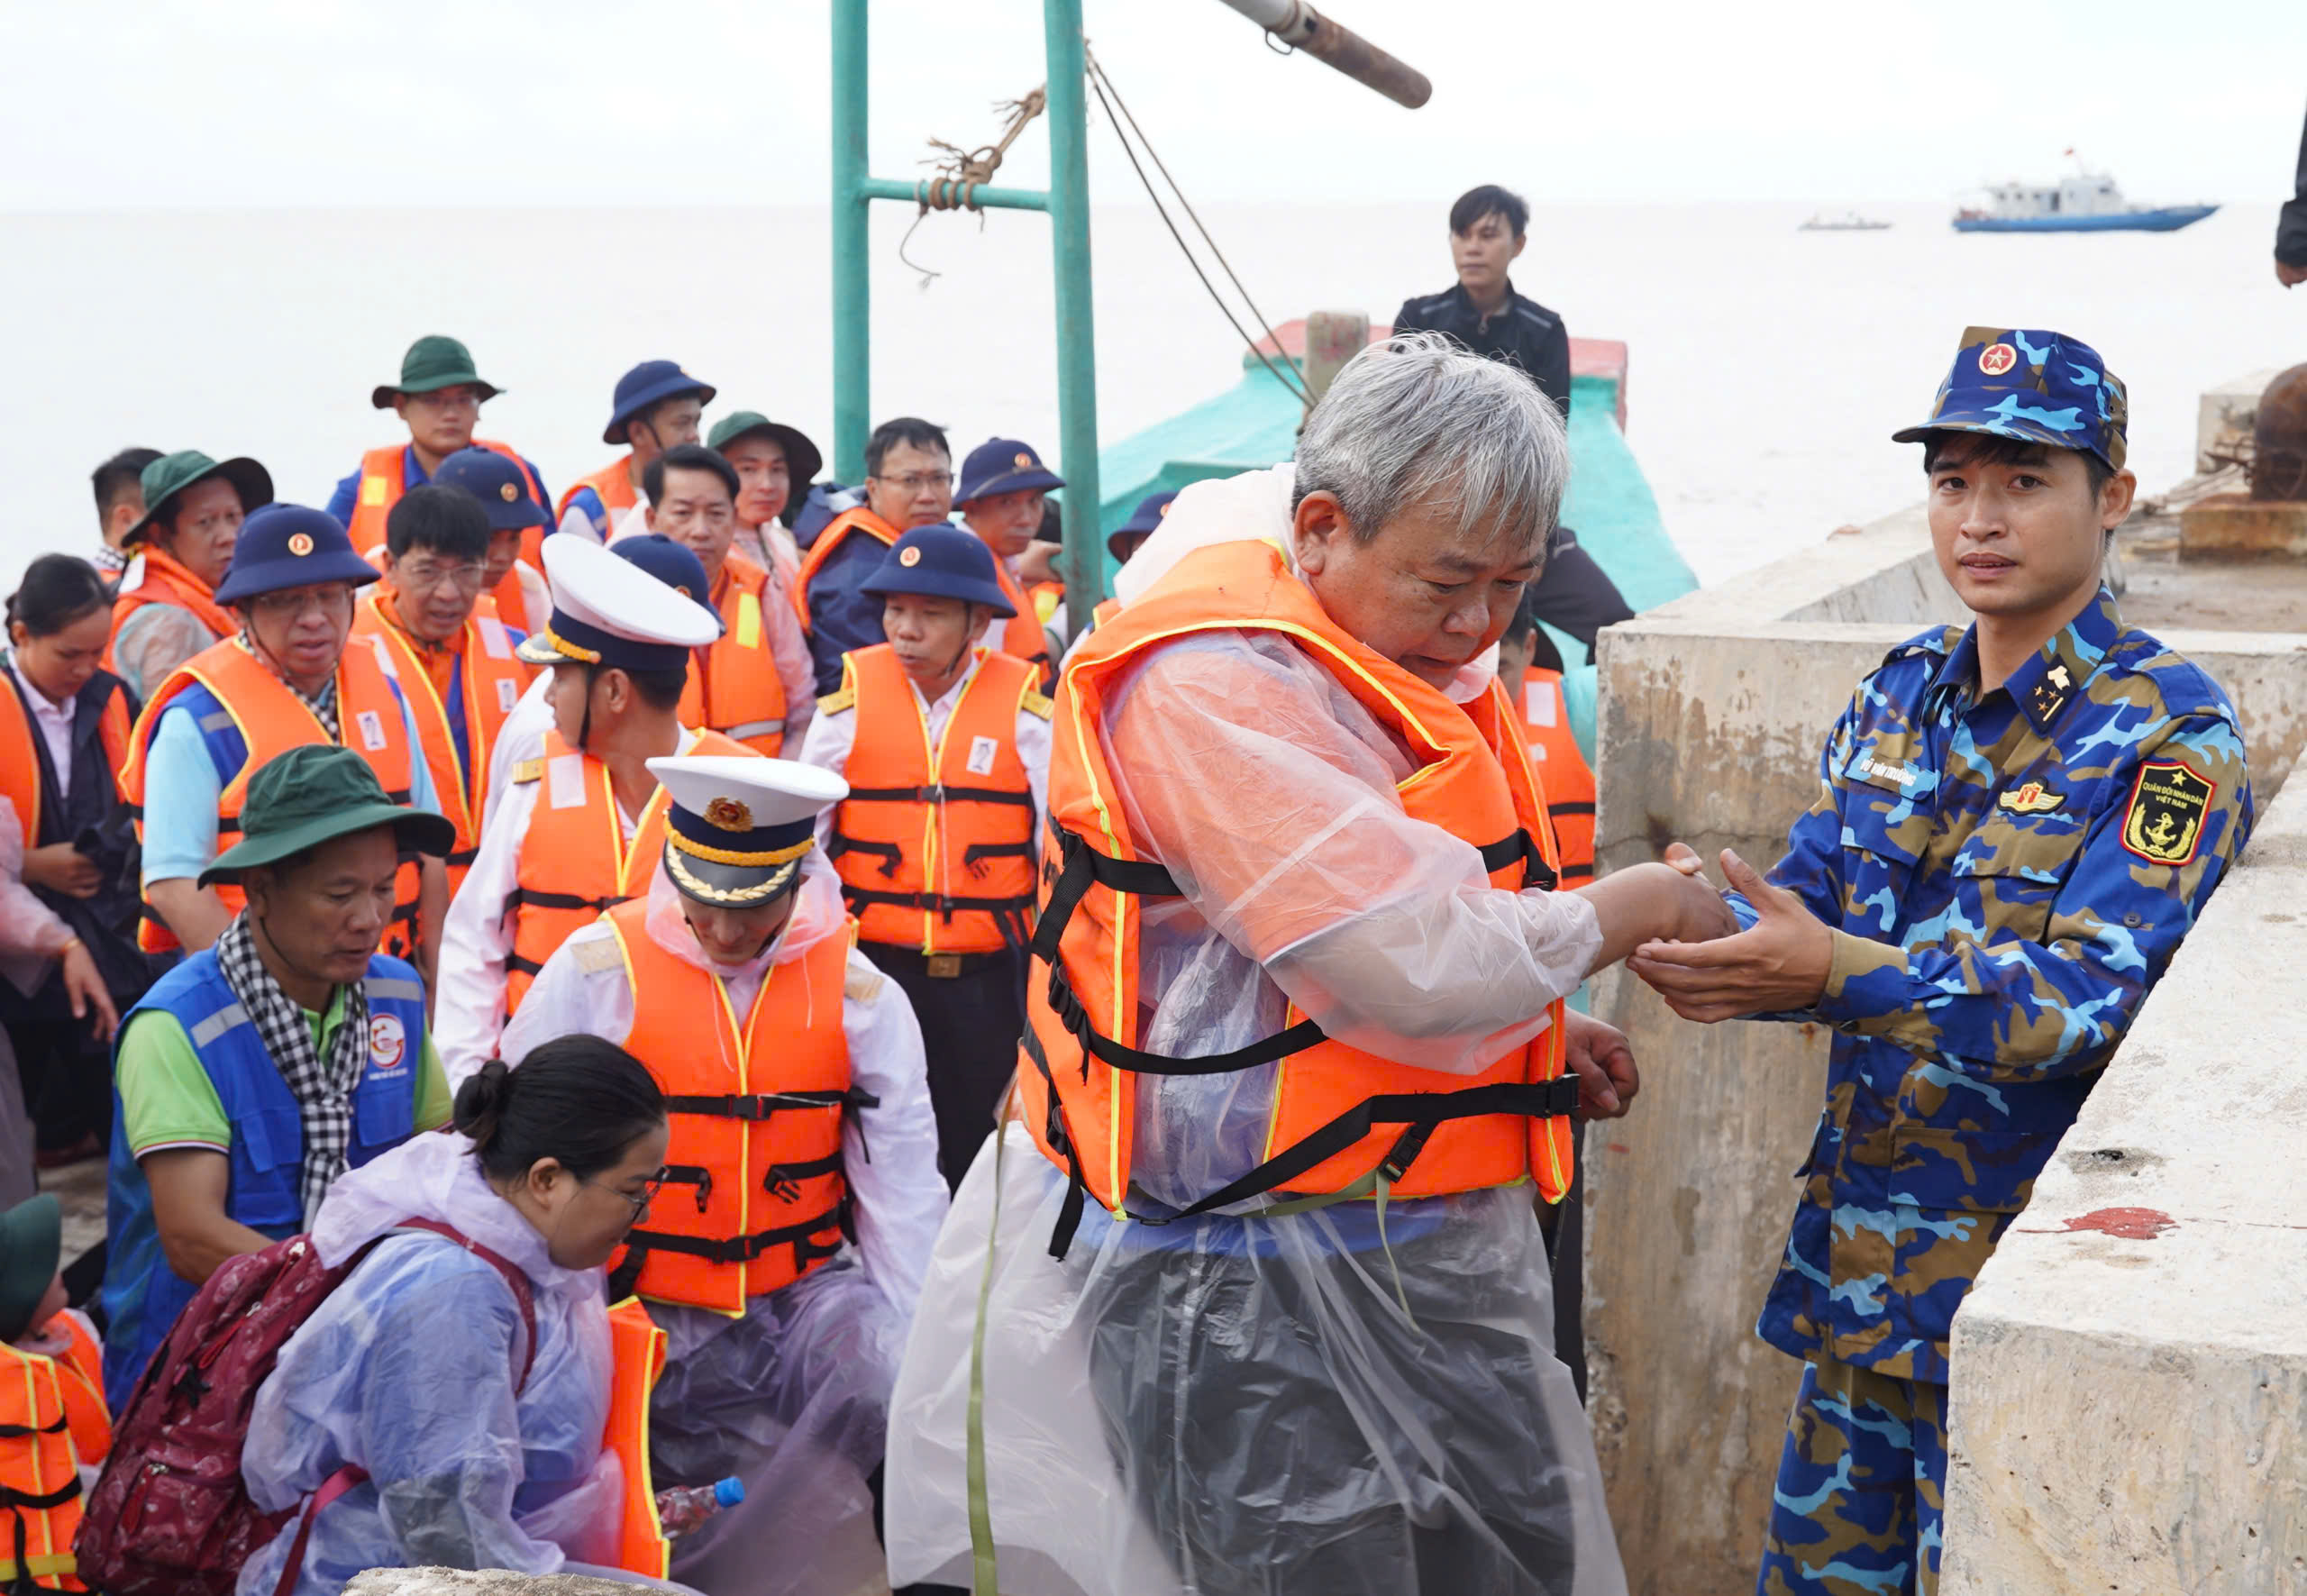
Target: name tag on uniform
[[495, 641], [564, 781], [372, 491], [372, 730], [1537, 703], [1877, 771], [508, 693], [981, 752]]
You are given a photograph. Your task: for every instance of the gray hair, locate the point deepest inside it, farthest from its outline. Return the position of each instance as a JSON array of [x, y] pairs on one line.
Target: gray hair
[[1419, 420]]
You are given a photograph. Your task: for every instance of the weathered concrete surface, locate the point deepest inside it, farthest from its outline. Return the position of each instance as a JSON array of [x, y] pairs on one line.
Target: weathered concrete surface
[[487, 1582], [2130, 1416], [1712, 712]]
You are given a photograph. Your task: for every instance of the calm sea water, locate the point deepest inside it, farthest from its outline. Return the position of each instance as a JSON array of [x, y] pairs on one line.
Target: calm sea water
[[1768, 367]]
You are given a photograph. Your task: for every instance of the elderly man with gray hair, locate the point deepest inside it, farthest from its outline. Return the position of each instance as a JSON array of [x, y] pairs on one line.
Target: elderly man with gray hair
[[1249, 1294]]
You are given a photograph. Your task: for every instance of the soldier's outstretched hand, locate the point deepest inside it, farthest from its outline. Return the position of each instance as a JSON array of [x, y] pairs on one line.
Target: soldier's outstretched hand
[[1777, 966]]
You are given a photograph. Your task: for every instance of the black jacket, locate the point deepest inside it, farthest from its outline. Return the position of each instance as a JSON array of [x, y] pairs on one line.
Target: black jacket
[[2291, 232], [1523, 333]]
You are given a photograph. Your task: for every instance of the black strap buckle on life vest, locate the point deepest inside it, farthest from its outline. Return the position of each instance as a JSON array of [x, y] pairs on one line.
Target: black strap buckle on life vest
[[783, 1180], [938, 793], [744, 1249], [18, 1432], [974, 856], [890, 854], [689, 1175], [11, 1497], [529, 898], [1420, 1112], [759, 1106], [943, 906]]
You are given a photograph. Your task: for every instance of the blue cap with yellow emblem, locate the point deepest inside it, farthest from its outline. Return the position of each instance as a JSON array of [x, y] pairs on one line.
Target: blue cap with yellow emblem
[[1003, 465], [2038, 387], [737, 827], [603, 615], [940, 561]]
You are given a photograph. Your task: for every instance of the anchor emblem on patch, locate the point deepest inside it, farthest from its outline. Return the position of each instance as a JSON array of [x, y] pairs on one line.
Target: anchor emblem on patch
[[2164, 825], [2034, 799]]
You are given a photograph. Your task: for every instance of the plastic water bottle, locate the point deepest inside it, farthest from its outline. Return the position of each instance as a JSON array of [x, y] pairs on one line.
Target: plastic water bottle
[[684, 1508]]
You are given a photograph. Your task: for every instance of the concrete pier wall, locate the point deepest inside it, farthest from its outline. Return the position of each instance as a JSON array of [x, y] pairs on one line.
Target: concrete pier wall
[[1713, 709]]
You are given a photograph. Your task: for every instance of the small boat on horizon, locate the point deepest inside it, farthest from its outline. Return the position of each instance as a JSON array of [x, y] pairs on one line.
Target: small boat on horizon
[[2081, 202], [1842, 222]]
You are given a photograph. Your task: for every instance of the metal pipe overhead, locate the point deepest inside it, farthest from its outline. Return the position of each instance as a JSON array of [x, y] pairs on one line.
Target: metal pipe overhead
[[1301, 27]]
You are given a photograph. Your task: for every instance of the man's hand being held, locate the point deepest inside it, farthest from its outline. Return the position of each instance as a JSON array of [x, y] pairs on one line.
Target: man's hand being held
[[1779, 965]]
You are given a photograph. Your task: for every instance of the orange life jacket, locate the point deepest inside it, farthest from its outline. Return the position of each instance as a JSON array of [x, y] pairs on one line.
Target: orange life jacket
[[741, 695], [271, 720], [857, 518], [612, 483], [574, 862], [756, 1109], [169, 580], [512, 603], [936, 845], [1045, 597], [1343, 1121], [384, 477], [637, 1357], [52, 1420], [1562, 771], [493, 681], [20, 759], [1021, 634]]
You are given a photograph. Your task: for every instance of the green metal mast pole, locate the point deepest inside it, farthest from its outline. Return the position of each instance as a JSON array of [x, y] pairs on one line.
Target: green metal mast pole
[[852, 307], [1083, 562]]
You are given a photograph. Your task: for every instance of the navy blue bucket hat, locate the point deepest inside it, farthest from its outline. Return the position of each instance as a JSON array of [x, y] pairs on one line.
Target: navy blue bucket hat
[[291, 546], [647, 384], [941, 561], [1003, 465], [501, 486]]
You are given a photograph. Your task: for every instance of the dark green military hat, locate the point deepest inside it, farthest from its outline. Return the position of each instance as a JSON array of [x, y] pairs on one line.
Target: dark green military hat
[[432, 363], [315, 793], [171, 474]]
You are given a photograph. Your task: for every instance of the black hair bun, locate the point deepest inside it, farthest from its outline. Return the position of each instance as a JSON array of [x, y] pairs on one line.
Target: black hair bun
[[480, 1101]]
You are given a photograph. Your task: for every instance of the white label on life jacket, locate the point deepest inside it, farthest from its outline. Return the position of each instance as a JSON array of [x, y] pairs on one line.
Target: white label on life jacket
[[508, 693], [564, 781], [1537, 703], [981, 752], [372, 730]]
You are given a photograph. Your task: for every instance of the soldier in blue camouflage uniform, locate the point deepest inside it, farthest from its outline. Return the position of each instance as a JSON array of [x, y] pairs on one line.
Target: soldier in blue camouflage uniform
[[2016, 824]]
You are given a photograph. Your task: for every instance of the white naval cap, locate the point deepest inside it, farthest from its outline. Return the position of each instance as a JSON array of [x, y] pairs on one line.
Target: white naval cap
[[620, 608], [737, 825]]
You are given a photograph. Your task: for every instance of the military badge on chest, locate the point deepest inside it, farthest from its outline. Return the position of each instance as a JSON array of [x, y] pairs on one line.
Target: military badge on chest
[[2033, 798], [2164, 825]]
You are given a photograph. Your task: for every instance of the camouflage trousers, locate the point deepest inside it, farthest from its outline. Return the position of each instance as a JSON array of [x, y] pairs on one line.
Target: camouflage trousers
[[1861, 1483]]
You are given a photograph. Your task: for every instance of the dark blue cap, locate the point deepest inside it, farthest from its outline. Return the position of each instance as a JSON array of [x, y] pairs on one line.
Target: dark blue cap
[[1003, 465], [2038, 387], [500, 485], [291, 546], [1145, 518], [941, 561], [669, 562], [646, 385]]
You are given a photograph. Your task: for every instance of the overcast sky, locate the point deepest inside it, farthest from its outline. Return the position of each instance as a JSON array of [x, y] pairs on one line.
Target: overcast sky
[[201, 102]]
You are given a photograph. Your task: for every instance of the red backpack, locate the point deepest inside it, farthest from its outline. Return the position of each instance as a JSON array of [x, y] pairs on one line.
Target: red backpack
[[170, 1515]]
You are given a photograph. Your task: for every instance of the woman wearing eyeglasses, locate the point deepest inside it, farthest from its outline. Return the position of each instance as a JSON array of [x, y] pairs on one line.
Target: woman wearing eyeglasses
[[475, 1421], [285, 679]]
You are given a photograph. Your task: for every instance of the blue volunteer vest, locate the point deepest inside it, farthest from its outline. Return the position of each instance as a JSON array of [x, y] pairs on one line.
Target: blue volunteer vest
[[142, 1295]]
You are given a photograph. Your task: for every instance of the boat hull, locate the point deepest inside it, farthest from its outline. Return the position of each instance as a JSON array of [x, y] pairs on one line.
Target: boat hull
[[2164, 219]]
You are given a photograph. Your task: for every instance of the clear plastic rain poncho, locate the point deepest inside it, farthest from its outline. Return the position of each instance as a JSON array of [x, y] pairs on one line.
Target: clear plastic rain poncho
[[793, 1398], [1345, 1400], [407, 1370]]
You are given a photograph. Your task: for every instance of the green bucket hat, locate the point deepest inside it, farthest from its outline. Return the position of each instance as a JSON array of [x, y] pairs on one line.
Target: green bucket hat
[[432, 363], [171, 474], [802, 460], [32, 1243], [313, 794]]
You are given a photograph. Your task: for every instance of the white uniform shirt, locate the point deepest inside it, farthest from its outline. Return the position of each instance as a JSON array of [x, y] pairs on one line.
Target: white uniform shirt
[[889, 1153], [832, 734], [476, 935]]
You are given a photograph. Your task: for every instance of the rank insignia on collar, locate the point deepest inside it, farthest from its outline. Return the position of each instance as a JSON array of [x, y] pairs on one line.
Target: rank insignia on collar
[[2164, 825], [2049, 696], [2034, 799]]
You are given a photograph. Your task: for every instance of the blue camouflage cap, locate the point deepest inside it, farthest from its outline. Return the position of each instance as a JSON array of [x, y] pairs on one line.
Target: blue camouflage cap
[[2039, 387]]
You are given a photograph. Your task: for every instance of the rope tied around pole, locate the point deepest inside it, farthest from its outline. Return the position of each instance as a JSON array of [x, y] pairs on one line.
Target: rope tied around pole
[[960, 173]]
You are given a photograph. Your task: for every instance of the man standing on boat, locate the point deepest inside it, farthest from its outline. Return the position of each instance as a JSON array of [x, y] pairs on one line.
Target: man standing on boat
[[2016, 824], [1266, 1308], [438, 398], [908, 483], [1003, 490], [657, 405], [2291, 232]]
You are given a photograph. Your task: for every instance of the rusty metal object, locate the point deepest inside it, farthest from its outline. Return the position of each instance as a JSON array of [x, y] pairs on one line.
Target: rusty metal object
[[2279, 440]]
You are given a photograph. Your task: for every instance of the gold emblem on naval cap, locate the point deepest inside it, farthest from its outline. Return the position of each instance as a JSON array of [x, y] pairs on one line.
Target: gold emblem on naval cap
[[729, 814], [1164, 510], [908, 556], [1024, 462], [300, 543], [508, 491]]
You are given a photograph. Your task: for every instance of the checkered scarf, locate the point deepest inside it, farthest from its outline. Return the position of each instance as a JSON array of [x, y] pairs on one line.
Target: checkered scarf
[[322, 704], [322, 1086]]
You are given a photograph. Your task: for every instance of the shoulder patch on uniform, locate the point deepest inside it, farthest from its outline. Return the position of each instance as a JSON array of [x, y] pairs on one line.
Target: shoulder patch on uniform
[[1940, 641], [841, 698], [1034, 703], [596, 954], [861, 986], [2168, 804], [527, 770]]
